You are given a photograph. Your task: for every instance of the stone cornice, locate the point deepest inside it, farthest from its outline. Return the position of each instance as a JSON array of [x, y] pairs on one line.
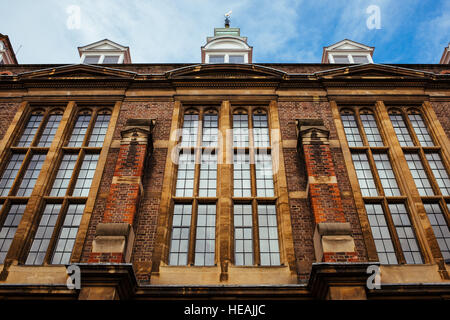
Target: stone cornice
[[225, 76]]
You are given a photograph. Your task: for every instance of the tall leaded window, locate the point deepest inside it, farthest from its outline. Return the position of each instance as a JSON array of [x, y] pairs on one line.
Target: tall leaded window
[[70, 180], [391, 228], [195, 194], [19, 173], [431, 175], [255, 236], [255, 218]]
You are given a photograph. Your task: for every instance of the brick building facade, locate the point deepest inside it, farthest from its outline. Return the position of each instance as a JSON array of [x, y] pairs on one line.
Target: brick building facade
[[312, 174]]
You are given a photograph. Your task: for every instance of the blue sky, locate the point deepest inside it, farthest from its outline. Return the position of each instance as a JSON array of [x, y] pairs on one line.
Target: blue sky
[[412, 31]]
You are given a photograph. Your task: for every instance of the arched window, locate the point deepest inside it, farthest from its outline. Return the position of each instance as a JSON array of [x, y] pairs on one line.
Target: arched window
[[420, 128], [400, 127], [370, 128], [351, 128]]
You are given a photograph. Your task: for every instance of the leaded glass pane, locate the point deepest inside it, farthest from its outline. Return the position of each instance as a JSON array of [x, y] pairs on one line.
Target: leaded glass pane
[[364, 174], [268, 235], [243, 235], [43, 234], [440, 228], [381, 234], [419, 175], [68, 234], [205, 235], [30, 130], [9, 228], [351, 130], [179, 244], [405, 233]]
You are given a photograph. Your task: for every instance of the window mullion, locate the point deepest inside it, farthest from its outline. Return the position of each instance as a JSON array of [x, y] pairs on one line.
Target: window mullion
[[251, 144], [39, 130], [410, 127], [76, 171], [19, 177], [393, 232], [256, 249], [193, 233], [56, 230], [361, 129], [375, 174], [431, 177], [90, 127]]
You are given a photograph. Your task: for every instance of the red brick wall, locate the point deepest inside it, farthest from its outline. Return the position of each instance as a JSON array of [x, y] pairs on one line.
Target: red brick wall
[[442, 110], [301, 214], [7, 112]]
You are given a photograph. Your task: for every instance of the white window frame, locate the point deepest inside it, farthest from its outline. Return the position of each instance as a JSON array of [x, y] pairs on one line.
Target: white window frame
[[102, 56], [349, 56], [227, 56]]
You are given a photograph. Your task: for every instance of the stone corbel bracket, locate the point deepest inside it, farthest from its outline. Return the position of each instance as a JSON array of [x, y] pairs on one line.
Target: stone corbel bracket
[[333, 237], [114, 237]]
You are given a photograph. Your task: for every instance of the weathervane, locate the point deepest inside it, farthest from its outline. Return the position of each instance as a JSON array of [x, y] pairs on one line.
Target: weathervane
[[227, 19]]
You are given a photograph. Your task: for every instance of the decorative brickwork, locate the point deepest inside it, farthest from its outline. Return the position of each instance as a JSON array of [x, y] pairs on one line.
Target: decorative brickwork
[[124, 193], [323, 190]]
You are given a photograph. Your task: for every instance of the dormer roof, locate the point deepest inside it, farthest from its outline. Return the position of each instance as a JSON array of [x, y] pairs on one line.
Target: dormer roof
[[345, 47], [106, 47]]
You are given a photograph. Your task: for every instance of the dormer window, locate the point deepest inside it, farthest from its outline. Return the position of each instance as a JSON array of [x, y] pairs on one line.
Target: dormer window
[[360, 59], [91, 59], [104, 52], [341, 59], [111, 59], [236, 59], [347, 51]]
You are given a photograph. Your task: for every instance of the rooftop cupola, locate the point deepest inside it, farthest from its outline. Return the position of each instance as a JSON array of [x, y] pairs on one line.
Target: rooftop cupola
[[227, 46]]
